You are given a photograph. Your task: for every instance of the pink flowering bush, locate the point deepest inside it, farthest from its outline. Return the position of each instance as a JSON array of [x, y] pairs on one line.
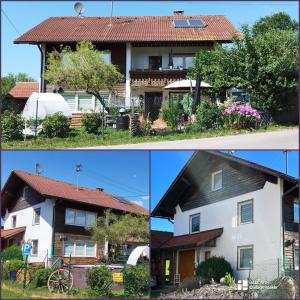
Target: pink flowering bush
[[241, 116]]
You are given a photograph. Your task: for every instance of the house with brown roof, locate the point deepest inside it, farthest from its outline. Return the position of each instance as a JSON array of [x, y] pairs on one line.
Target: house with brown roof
[[222, 205], [20, 93], [53, 215], [150, 51]]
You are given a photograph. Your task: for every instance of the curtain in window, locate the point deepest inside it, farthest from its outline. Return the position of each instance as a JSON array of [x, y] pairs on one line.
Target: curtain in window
[[246, 213], [246, 256]]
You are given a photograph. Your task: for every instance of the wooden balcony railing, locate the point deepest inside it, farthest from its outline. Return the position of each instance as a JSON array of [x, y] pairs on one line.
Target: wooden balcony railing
[[156, 78]]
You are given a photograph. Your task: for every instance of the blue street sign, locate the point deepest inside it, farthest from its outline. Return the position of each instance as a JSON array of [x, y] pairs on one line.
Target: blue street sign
[[26, 249]]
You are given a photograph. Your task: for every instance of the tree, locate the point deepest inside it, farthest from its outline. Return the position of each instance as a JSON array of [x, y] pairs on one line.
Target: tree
[[7, 83], [277, 22], [119, 229], [82, 69], [265, 65]]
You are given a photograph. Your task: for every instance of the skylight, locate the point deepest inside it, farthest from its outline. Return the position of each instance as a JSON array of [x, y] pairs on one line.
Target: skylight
[[122, 200], [188, 23]]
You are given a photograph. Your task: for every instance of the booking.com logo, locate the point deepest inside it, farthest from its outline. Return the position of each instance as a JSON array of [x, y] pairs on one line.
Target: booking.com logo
[[243, 285]]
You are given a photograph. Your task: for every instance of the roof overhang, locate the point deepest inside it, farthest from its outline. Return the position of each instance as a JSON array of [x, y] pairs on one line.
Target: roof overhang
[[7, 233]]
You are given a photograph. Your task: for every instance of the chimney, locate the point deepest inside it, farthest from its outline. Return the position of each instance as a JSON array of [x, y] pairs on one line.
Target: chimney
[[100, 189], [178, 12]]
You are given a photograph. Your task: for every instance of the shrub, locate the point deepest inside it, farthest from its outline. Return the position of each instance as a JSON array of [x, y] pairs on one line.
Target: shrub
[[92, 123], [214, 267], [14, 265], [187, 104], [56, 125], [40, 276], [239, 116], [136, 280], [12, 126], [229, 279], [100, 281], [209, 116], [170, 112], [12, 252]]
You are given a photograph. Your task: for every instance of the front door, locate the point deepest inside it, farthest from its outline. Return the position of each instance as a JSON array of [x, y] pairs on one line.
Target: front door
[[186, 264], [152, 105]]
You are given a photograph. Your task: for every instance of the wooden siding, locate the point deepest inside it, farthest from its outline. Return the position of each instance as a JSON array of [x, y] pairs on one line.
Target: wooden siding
[[237, 180], [20, 203]]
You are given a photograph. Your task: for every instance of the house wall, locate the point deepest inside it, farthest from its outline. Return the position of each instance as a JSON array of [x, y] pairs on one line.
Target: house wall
[[264, 233], [140, 55], [41, 232]]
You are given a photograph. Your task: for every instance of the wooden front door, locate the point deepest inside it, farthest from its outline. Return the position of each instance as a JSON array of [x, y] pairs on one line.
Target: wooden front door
[[186, 264], [152, 105]]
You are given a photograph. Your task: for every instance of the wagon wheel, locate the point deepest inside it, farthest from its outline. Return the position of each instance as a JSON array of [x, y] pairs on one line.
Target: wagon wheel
[[20, 276], [58, 281]]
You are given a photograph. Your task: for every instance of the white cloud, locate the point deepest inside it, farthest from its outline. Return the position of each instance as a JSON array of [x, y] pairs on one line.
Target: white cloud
[[145, 197], [140, 203]]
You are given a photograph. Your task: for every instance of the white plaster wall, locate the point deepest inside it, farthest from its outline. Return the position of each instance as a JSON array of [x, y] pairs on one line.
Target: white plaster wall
[[140, 55], [264, 233], [41, 232]]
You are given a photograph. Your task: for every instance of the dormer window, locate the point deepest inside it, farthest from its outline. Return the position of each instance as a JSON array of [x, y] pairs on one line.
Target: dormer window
[[216, 180], [195, 223], [25, 192]]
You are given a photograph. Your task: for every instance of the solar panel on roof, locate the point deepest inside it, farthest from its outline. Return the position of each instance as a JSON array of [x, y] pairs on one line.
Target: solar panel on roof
[[122, 200], [180, 23], [196, 23]]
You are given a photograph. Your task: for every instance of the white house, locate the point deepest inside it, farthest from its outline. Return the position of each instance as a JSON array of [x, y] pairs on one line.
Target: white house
[[222, 205]]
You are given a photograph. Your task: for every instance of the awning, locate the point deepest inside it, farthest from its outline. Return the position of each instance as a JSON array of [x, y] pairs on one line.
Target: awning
[[7, 233], [185, 84], [195, 239]]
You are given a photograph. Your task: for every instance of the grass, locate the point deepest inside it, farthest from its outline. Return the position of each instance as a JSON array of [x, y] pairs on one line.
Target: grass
[[113, 137], [14, 290]]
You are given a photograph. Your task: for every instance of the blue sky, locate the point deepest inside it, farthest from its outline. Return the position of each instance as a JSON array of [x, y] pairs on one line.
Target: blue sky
[[25, 14], [125, 173], [165, 166]]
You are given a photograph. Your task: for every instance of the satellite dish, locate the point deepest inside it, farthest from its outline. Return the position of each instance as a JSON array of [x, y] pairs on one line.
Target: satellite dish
[[79, 8]]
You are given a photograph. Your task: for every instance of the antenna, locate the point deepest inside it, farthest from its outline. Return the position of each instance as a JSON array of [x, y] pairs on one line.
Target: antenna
[[78, 170], [111, 12], [286, 152], [79, 8], [38, 169]]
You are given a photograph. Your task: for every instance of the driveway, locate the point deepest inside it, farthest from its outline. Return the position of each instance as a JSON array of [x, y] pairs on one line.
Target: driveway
[[280, 139]]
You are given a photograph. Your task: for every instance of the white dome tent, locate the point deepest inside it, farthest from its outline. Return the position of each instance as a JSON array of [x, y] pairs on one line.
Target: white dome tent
[[43, 105], [139, 251]]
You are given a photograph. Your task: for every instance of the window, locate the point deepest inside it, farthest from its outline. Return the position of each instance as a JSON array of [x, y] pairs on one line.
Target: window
[[245, 257], [25, 192], [296, 258], [184, 61], [216, 182], [71, 101], [80, 249], [79, 217], [85, 103], [155, 62], [206, 255], [245, 211], [36, 216], [34, 249], [13, 221], [107, 56], [195, 223], [296, 212]]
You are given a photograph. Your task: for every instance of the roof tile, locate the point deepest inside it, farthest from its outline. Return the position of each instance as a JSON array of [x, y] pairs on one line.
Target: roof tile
[[24, 89]]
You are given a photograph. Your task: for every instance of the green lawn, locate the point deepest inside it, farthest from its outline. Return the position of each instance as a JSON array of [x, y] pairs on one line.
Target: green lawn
[[114, 137]]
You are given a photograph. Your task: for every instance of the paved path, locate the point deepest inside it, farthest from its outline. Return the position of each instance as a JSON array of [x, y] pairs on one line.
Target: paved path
[[280, 139]]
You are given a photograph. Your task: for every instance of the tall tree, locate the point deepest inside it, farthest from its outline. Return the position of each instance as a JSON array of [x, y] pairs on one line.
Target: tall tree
[[82, 69], [277, 22], [266, 65]]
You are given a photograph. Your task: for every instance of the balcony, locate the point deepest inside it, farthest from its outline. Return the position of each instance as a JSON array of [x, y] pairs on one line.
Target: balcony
[[155, 78]]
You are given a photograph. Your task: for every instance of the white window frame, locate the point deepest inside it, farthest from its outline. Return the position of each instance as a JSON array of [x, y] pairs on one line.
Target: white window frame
[[34, 214], [183, 56], [37, 251], [191, 218], [296, 267], [240, 204], [14, 217], [74, 248], [79, 210], [213, 175], [239, 248]]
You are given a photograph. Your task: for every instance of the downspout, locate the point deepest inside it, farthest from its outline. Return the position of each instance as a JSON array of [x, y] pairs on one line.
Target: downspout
[[53, 231], [283, 225], [42, 82]]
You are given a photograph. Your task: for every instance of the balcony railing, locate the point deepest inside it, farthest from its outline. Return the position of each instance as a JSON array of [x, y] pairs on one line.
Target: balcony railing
[[155, 78]]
